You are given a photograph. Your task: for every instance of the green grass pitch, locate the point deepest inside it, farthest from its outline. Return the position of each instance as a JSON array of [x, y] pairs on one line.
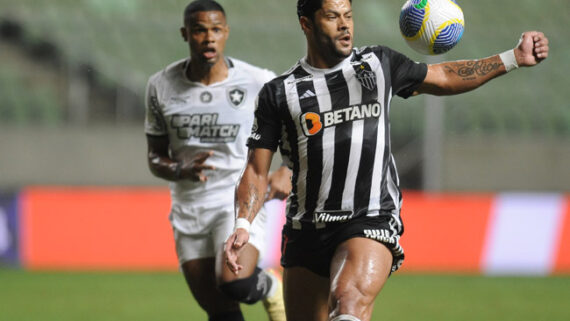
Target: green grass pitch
[[122, 296]]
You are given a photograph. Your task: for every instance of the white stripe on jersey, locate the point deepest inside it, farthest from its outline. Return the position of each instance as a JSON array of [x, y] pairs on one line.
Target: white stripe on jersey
[[325, 104], [375, 199], [355, 97], [392, 186]]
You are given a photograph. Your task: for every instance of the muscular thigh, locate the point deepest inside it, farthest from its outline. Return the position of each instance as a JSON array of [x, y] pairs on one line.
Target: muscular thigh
[[359, 270], [305, 294]]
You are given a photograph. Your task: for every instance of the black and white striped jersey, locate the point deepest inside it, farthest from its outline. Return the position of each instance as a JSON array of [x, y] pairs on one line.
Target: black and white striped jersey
[[333, 131]]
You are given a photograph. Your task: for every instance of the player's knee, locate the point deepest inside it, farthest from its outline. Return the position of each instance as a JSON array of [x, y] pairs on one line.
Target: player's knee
[[242, 290], [350, 300]]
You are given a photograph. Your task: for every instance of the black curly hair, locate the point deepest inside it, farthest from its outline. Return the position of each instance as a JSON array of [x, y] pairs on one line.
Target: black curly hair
[[308, 8], [201, 5]]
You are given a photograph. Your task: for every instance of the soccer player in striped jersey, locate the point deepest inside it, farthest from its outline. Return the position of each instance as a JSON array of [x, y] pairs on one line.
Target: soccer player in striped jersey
[[198, 117], [329, 117]]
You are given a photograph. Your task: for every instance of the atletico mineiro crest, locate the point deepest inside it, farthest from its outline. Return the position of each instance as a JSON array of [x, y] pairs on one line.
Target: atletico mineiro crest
[[367, 78], [236, 96]]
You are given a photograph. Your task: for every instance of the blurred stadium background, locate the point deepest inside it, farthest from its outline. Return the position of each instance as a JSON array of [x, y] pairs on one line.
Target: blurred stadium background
[[492, 164]]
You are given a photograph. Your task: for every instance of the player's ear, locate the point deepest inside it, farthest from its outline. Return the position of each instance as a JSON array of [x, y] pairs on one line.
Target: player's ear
[[184, 33], [306, 23]]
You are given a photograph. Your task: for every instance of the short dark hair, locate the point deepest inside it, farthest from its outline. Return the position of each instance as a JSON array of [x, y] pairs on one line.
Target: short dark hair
[[308, 8], [201, 5]]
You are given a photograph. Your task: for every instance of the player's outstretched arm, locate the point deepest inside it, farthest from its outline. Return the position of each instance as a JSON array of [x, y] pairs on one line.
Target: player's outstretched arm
[[161, 165], [455, 77], [250, 196]]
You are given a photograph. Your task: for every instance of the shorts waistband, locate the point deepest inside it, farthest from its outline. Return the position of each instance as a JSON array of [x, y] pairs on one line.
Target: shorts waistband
[[323, 223]]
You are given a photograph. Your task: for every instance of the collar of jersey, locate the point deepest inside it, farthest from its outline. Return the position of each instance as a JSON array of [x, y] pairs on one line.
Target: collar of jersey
[[320, 71], [199, 84]]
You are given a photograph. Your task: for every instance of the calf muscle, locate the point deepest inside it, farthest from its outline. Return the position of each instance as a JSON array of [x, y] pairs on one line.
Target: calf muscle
[[359, 270]]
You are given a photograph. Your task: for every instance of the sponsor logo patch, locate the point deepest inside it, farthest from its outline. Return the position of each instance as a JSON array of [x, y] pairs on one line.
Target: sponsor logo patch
[[312, 123], [204, 127], [385, 236], [332, 216]]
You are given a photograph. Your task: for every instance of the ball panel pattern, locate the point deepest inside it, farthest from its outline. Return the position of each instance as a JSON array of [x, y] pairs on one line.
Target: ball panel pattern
[[431, 26], [449, 35], [411, 21]]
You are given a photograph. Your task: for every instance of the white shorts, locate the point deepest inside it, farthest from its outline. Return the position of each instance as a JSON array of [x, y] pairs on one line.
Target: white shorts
[[201, 230]]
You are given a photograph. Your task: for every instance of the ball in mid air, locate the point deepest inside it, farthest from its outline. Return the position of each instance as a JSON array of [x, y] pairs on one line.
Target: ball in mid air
[[431, 27]]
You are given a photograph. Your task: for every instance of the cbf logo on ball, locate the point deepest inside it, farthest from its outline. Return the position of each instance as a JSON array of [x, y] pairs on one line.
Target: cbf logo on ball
[[312, 123], [431, 27]]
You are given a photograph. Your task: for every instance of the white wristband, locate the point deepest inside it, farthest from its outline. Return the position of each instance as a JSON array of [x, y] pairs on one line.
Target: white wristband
[[242, 223], [509, 60]]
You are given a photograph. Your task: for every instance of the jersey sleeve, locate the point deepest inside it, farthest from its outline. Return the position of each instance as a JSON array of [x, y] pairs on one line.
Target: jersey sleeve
[[264, 76], [268, 75], [154, 123], [266, 129], [407, 75]]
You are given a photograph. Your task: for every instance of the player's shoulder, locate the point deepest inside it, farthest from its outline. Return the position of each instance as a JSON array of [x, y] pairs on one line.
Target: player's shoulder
[[378, 50], [259, 74], [169, 73], [275, 89], [386, 55]]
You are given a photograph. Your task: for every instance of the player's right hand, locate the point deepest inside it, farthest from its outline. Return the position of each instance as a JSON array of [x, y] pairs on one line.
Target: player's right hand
[[193, 169], [233, 247]]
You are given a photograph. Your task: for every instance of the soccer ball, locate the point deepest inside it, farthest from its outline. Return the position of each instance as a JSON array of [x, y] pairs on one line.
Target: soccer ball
[[431, 27]]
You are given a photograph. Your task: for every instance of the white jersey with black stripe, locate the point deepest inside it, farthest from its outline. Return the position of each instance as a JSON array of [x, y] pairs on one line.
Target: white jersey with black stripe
[[198, 117], [332, 127]]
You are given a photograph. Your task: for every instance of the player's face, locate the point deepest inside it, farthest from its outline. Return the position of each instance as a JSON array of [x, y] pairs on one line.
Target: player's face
[[334, 28], [206, 32]]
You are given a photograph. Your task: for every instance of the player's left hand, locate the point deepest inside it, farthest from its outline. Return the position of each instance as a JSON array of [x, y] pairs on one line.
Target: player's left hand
[[532, 48], [194, 168], [279, 184], [233, 247]]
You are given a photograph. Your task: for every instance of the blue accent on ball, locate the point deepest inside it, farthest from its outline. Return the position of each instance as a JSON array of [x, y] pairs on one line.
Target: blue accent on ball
[[411, 20], [448, 38]]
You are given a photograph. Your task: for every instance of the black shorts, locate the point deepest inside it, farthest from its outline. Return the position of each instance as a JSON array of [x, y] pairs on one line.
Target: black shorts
[[314, 248]]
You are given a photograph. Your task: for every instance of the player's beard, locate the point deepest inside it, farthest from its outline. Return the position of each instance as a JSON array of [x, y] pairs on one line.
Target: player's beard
[[329, 47]]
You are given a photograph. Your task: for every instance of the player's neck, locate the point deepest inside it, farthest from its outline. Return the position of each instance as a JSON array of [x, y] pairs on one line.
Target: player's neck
[[207, 74], [316, 59]]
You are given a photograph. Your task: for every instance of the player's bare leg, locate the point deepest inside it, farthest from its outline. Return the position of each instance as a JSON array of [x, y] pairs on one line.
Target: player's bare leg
[[359, 270], [306, 295], [201, 279], [248, 259], [248, 286]]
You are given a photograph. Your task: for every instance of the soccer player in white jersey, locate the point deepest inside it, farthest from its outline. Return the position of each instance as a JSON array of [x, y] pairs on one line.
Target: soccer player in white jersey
[[199, 113], [329, 116]]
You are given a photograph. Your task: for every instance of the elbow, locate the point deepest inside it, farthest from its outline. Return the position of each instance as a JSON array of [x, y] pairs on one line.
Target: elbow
[[154, 171], [442, 89], [153, 162], [446, 89]]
